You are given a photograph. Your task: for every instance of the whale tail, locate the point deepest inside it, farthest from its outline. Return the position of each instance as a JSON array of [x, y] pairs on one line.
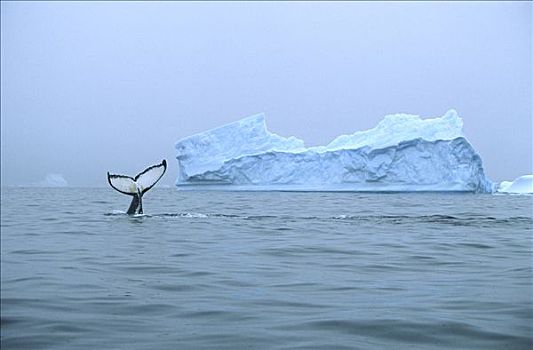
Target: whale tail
[[137, 186]]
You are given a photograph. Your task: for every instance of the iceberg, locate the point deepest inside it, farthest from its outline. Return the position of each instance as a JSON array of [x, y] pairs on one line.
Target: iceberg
[[521, 185], [54, 180], [402, 153]]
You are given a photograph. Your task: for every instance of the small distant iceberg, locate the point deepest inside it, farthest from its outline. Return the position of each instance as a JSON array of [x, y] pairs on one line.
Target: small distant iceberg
[[54, 180], [402, 153], [521, 185]]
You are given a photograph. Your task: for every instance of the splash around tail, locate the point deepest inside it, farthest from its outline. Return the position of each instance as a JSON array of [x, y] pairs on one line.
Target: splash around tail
[[137, 186]]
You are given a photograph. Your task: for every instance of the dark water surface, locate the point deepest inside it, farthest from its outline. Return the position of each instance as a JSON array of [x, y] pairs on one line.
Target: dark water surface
[[265, 270]]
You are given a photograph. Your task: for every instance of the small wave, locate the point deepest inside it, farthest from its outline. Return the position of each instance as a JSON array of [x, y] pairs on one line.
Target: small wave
[[448, 333], [260, 217], [174, 215], [158, 215], [462, 219], [181, 215], [474, 220], [115, 212]]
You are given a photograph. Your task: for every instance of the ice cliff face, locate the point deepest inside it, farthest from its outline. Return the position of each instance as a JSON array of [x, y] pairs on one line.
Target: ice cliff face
[[402, 153]]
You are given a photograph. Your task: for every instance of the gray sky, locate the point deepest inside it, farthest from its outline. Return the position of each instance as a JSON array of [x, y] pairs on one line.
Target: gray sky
[[89, 87]]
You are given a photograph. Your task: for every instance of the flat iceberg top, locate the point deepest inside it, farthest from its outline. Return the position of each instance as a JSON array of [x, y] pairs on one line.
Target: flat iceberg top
[[397, 128], [250, 136], [247, 136]]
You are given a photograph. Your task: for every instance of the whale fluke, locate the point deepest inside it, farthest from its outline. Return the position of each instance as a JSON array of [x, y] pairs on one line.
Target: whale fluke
[[137, 186]]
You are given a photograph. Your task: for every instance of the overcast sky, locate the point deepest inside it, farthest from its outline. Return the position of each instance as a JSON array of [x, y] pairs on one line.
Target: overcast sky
[[89, 87]]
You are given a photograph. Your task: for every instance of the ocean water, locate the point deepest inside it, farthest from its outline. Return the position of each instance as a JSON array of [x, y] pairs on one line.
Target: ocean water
[[265, 270]]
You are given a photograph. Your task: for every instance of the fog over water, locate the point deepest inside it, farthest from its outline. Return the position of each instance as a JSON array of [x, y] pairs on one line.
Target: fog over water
[[88, 87]]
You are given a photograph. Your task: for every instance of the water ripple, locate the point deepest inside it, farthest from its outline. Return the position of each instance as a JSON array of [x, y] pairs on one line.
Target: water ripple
[[265, 270]]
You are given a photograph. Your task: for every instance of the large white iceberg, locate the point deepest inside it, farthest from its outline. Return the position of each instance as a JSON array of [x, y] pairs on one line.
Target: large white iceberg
[[402, 153], [522, 185]]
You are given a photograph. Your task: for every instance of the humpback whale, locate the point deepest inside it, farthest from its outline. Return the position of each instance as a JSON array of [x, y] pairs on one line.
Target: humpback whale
[[137, 186]]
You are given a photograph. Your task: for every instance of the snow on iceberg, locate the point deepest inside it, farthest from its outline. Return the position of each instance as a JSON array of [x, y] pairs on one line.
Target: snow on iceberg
[[402, 153], [523, 184]]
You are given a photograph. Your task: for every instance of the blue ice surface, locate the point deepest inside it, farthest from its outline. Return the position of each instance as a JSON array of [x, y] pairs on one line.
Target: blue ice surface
[[402, 153]]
